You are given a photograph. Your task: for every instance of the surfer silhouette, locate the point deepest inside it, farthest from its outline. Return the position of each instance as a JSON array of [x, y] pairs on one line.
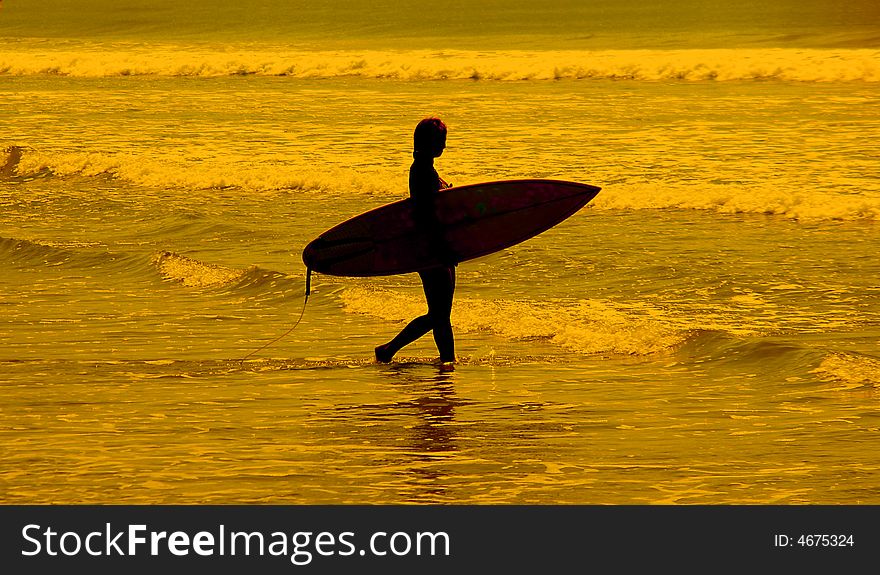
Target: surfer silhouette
[[429, 141]]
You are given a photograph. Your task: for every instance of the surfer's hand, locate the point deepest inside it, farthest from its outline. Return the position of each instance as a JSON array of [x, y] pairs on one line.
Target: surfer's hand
[[448, 257]]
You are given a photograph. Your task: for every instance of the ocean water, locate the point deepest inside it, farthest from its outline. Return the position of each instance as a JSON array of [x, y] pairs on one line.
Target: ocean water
[[704, 331]]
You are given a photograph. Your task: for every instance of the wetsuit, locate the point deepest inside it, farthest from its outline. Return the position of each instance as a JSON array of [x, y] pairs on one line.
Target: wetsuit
[[438, 282]]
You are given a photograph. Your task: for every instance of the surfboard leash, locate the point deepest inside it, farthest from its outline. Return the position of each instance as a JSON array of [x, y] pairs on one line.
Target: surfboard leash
[[288, 332]]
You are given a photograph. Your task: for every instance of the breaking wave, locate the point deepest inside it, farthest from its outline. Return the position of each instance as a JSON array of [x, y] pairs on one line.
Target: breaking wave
[[193, 273], [170, 173], [585, 326], [767, 199], [172, 267], [785, 64], [850, 369], [173, 173]]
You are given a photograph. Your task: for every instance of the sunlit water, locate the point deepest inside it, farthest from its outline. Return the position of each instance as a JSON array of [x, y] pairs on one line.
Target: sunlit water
[[705, 331]]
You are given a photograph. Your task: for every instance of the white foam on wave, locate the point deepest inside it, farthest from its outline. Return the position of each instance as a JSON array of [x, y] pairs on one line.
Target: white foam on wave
[[585, 326], [788, 64], [193, 273], [172, 172], [803, 205], [851, 370]]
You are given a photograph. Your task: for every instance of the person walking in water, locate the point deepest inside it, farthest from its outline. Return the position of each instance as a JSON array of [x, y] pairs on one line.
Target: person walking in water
[[438, 282]]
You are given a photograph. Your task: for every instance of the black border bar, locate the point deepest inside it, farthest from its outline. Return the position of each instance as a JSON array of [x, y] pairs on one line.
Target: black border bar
[[513, 538]]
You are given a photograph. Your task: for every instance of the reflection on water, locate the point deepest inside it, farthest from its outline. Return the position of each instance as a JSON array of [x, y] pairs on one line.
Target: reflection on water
[[433, 435], [434, 404], [429, 434]]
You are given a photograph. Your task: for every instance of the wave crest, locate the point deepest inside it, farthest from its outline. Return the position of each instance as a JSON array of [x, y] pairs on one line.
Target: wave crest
[[252, 280], [851, 370], [807, 206], [193, 273], [787, 64], [795, 203], [33, 252], [172, 172]]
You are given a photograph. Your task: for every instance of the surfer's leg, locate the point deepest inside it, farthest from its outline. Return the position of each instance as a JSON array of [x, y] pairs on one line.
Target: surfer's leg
[[413, 331], [439, 290], [439, 286]]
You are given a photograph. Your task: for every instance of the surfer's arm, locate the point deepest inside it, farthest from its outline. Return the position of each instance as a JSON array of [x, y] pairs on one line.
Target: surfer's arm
[[425, 215]]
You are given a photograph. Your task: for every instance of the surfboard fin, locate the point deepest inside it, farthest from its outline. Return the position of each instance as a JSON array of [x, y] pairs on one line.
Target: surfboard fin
[[308, 281]]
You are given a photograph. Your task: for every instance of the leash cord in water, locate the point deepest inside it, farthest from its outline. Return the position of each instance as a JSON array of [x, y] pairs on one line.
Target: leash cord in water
[[301, 314]]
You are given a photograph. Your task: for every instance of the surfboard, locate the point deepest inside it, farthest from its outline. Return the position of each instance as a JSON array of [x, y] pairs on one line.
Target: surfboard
[[475, 220]]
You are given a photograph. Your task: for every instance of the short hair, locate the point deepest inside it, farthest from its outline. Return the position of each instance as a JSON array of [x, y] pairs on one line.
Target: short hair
[[427, 133]]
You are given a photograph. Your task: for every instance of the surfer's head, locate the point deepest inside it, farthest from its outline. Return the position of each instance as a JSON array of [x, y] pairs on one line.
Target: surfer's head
[[429, 138]]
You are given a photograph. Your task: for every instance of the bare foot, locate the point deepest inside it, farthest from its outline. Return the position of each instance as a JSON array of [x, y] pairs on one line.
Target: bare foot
[[382, 355]]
